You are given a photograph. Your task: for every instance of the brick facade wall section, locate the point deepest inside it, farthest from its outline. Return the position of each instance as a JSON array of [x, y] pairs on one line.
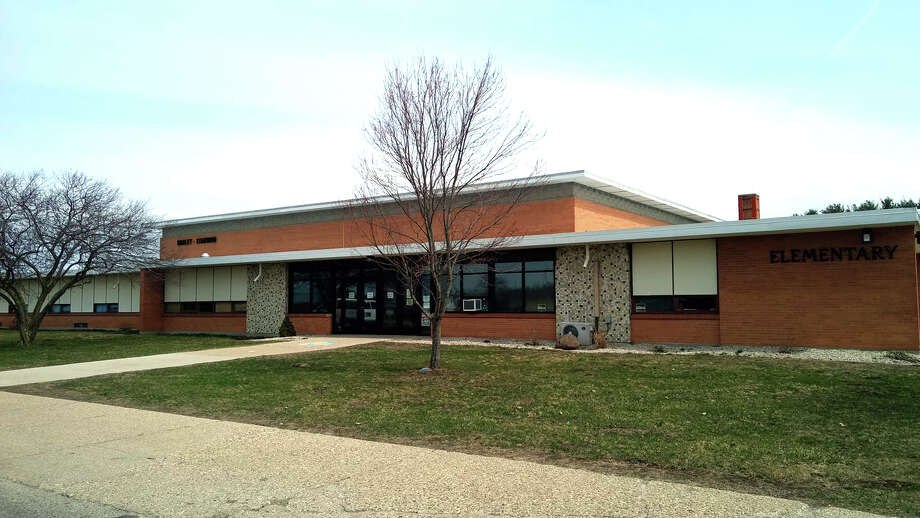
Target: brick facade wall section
[[93, 320], [680, 329], [219, 323], [527, 326], [535, 217], [312, 324], [151, 301], [594, 216], [865, 304]]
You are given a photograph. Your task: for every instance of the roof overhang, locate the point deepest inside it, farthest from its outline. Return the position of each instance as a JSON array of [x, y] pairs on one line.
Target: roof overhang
[[753, 227]]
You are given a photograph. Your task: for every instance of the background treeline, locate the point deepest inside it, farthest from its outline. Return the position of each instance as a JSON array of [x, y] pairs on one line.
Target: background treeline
[[884, 203]]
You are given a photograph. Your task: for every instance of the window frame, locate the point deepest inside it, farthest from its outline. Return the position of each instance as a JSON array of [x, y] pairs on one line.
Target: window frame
[[313, 272], [523, 257]]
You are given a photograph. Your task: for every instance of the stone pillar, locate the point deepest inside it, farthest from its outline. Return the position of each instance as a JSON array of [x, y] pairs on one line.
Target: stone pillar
[[575, 287], [151, 301], [266, 298]]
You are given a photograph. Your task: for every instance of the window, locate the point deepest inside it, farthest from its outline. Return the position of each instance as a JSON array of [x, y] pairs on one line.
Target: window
[[60, 308], [204, 240], [675, 277], [311, 289], [105, 308], [183, 242], [511, 283], [205, 307]]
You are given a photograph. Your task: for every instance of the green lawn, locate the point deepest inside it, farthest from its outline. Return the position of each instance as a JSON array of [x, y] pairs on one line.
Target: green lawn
[[57, 347], [827, 433]]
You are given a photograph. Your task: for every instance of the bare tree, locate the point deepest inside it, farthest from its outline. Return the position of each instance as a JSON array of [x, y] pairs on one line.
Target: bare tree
[[56, 230], [430, 197]]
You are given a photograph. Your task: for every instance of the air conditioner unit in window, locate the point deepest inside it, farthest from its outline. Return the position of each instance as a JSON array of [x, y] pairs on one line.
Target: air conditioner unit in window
[[583, 331], [472, 304]]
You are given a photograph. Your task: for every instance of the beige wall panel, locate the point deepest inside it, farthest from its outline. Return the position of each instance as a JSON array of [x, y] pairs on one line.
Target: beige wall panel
[[651, 269], [99, 289], [31, 293], [188, 286], [222, 280], [205, 291], [695, 270], [64, 298], [4, 307], [124, 294], [135, 292], [239, 283], [89, 290], [76, 298], [171, 285], [112, 287]]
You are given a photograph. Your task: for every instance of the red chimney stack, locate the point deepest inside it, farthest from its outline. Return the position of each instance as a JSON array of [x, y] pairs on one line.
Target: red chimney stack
[[748, 206]]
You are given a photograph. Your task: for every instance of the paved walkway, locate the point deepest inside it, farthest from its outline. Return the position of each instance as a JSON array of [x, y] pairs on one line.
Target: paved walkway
[[159, 361], [156, 464]]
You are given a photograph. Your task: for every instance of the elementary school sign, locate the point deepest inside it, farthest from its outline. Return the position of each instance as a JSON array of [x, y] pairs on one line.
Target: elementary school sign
[[824, 255]]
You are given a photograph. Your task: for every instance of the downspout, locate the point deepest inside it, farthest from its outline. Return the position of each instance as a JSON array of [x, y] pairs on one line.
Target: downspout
[[258, 276]]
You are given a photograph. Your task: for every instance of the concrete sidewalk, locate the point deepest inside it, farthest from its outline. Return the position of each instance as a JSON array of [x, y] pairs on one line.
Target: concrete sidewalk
[[160, 361], [156, 464]]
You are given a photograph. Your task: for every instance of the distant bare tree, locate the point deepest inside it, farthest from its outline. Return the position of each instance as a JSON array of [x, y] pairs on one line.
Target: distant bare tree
[[55, 230], [440, 134]]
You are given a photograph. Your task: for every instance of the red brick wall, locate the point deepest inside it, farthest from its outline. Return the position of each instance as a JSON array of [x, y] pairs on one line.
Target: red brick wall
[[537, 217], [229, 323], [685, 329], [594, 216], [500, 325], [312, 324], [93, 320], [857, 304], [151, 300]]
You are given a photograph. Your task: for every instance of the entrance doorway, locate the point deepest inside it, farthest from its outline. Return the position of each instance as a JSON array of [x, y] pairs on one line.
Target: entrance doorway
[[373, 300]]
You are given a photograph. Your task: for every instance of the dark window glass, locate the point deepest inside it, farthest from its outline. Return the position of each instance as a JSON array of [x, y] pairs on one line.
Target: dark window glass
[[223, 307], [183, 242], [508, 267], [453, 298], [100, 308], [206, 307], [172, 307], [698, 303], [60, 308], [536, 266], [653, 304], [475, 268], [239, 307], [188, 307], [300, 294], [475, 286], [321, 298], [203, 240], [508, 293], [539, 292]]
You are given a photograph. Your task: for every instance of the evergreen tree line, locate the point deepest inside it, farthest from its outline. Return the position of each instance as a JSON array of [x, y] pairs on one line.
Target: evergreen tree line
[[885, 203]]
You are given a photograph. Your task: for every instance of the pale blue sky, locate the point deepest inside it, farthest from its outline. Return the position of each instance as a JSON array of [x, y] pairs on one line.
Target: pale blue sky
[[216, 107]]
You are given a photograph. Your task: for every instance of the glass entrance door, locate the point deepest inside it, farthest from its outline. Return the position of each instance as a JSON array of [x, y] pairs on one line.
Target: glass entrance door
[[372, 300]]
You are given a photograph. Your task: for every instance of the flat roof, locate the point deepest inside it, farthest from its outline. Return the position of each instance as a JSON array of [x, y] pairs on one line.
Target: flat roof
[[713, 229], [579, 177]]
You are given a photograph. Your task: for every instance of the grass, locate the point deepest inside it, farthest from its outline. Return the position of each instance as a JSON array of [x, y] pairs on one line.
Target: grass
[[59, 347], [828, 433]]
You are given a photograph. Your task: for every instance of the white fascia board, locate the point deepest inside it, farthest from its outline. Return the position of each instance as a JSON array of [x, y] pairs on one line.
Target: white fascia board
[[751, 227], [580, 177]]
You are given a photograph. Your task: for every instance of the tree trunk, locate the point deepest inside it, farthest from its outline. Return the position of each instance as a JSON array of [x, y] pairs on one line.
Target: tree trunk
[[28, 328], [435, 361]]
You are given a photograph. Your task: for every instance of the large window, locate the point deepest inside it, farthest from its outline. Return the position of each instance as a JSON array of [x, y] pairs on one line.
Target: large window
[[510, 283], [311, 289], [675, 277]]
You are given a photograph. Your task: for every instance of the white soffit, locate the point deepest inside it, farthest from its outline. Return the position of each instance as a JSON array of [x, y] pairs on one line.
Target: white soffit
[[715, 229]]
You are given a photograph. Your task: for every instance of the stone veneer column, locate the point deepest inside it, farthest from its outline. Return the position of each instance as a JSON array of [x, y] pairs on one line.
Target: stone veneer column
[[266, 299], [575, 287]]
